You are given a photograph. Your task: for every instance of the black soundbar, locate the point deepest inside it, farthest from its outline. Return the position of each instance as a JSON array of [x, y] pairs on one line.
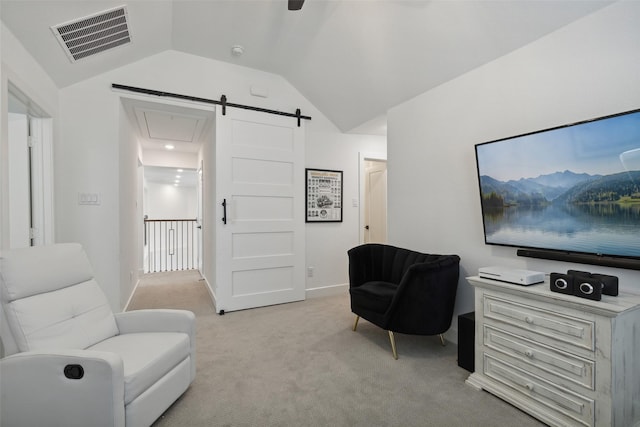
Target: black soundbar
[[630, 264]]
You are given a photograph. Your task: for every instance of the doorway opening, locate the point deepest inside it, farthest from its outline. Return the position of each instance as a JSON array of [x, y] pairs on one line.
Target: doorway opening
[[30, 168], [170, 206], [375, 201], [373, 198], [174, 141]]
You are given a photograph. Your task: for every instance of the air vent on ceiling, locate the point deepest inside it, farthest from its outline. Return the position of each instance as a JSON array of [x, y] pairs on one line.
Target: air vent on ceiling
[[94, 34]]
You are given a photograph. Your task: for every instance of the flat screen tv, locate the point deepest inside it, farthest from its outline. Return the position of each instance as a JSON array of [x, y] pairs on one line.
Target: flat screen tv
[[569, 193]]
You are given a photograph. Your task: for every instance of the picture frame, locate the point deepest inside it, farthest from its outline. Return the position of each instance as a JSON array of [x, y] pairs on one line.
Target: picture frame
[[323, 195]]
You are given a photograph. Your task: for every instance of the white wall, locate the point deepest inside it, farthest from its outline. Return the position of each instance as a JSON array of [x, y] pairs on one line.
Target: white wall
[[327, 243], [129, 200], [172, 159], [166, 201], [89, 158], [585, 70], [207, 158]]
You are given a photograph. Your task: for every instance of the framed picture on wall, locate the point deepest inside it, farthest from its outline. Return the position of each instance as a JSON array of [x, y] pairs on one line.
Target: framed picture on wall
[[323, 195]]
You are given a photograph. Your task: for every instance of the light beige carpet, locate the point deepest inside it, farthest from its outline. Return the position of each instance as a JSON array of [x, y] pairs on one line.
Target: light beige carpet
[[181, 289], [300, 364]]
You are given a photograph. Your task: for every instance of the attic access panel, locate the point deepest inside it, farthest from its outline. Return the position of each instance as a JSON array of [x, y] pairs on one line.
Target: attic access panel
[[94, 33]]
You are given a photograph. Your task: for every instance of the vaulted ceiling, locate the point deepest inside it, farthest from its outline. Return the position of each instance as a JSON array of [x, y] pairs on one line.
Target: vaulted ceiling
[[353, 59]]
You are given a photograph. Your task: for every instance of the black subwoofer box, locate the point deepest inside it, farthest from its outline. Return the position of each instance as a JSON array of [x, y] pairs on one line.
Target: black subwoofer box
[[466, 340]]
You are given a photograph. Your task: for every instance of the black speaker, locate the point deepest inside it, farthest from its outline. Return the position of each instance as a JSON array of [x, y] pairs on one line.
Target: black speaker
[[579, 273], [587, 287], [562, 283], [466, 341], [609, 283]]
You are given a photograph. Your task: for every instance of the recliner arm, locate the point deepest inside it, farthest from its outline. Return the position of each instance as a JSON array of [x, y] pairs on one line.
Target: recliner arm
[[35, 391], [160, 320], [156, 320]]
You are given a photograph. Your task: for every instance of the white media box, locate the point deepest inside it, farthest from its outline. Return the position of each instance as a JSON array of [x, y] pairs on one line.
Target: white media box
[[510, 275]]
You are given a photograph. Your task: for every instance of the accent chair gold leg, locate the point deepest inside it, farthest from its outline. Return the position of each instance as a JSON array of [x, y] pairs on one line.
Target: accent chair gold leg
[[355, 324], [393, 345], [442, 340]]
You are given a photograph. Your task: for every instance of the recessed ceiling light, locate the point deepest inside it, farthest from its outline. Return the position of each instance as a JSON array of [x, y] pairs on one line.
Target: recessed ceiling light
[[178, 176], [180, 170], [169, 146]]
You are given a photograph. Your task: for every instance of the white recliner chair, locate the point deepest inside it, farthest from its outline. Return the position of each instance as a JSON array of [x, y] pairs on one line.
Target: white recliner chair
[[70, 361]]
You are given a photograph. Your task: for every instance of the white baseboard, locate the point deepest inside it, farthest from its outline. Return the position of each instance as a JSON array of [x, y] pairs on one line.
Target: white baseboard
[[211, 293], [133, 291], [326, 291]]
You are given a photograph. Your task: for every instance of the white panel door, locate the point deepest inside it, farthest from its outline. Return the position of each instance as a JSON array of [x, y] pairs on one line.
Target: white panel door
[[260, 176], [375, 201]]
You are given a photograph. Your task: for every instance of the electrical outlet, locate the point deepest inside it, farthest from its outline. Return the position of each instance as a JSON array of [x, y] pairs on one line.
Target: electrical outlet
[[88, 199], [309, 271]]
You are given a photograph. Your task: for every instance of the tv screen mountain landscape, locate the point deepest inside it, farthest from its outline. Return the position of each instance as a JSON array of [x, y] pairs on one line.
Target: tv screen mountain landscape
[[574, 188]]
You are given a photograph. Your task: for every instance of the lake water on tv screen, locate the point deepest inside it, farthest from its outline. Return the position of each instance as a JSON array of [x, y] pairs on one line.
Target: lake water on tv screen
[[607, 228]]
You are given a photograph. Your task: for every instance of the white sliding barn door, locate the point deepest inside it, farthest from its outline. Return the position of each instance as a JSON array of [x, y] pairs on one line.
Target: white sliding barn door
[[260, 174]]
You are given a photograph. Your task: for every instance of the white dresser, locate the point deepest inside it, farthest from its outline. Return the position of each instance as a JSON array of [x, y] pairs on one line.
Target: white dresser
[[565, 360]]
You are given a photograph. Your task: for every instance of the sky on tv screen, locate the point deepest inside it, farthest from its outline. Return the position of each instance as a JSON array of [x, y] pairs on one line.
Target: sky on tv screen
[[603, 147]]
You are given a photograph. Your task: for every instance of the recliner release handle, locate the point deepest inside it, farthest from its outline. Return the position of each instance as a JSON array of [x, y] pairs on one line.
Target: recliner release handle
[[74, 372]]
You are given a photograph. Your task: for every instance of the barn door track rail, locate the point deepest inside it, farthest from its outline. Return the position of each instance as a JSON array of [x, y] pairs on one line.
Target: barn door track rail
[[222, 102]]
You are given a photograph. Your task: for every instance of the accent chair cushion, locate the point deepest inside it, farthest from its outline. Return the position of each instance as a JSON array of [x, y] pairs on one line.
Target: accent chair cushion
[[374, 296]]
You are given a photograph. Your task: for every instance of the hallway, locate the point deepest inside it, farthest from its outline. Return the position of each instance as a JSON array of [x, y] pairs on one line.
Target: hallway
[[184, 290]]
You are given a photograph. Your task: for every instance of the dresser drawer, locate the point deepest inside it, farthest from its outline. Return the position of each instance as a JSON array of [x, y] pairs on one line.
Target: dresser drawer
[[556, 325], [569, 406], [542, 360]]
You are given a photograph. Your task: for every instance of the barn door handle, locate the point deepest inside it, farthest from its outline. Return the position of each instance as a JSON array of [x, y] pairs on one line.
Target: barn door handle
[[224, 211]]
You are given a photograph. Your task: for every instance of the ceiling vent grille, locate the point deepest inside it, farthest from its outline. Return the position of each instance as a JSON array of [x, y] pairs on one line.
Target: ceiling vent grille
[[94, 34]]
